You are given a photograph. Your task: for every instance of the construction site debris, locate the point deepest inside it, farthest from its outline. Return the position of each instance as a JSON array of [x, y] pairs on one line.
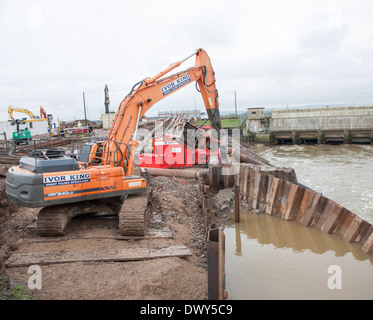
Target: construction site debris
[[175, 205]]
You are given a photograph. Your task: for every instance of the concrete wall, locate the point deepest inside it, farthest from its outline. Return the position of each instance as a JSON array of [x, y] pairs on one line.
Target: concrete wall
[[107, 119], [256, 120], [255, 113], [322, 118], [254, 126]]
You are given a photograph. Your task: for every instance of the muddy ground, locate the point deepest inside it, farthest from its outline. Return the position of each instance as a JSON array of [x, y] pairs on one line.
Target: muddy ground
[[175, 205]]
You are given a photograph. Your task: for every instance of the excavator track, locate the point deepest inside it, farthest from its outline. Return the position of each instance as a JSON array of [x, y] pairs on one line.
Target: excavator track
[[53, 220], [132, 215]]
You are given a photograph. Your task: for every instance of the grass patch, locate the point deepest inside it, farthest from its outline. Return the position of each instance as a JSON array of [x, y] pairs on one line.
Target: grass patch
[[226, 123], [16, 291]]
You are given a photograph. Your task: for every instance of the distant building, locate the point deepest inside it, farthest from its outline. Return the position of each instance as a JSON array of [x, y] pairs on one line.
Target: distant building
[[257, 121], [180, 113], [107, 119], [327, 118], [255, 113], [35, 126], [311, 125]]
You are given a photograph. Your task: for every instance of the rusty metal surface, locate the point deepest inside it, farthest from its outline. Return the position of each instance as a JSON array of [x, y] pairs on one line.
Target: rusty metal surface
[[180, 173]]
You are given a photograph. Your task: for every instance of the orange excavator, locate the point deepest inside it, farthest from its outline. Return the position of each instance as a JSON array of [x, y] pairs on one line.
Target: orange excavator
[[65, 186], [43, 113]]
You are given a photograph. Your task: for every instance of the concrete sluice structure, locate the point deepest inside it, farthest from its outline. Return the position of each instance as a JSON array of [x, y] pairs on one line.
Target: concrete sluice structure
[[328, 125]]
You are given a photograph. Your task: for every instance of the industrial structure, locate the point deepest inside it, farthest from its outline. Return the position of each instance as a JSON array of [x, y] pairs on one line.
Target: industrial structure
[[330, 125]]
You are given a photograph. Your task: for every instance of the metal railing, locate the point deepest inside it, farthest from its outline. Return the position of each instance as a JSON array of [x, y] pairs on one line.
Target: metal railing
[[320, 128]]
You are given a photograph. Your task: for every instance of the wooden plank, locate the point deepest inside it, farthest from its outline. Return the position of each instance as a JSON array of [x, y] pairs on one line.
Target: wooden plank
[[241, 177], [324, 212], [368, 245], [247, 187], [221, 264], [263, 191], [152, 233], [243, 187], [365, 233], [278, 205], [272, 195], [282, 199], [306, 200], [344, 222], [314, 208], [293, 201], [354, 229], [335, 215], [107, 255], [267, 195], [251, 183], [258, 184]]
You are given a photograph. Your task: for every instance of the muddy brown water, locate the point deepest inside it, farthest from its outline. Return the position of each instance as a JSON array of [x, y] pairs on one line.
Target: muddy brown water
[[270, 258]]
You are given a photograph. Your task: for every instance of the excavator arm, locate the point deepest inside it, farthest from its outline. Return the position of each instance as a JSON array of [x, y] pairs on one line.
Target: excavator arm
[[43, 113], [148, 92], [12, 109]]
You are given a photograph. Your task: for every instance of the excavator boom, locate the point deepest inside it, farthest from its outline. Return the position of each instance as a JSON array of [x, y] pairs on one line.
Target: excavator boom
[[150, 91], [21, 110], [43, 113]]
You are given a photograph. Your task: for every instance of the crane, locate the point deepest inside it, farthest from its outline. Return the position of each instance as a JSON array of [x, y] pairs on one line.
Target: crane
[[105, 169]]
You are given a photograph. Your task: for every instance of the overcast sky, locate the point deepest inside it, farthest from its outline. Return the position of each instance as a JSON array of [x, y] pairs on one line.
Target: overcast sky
[[272, 53]]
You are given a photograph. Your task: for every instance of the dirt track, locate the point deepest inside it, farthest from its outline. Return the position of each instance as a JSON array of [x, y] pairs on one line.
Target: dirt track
[[173, 205]]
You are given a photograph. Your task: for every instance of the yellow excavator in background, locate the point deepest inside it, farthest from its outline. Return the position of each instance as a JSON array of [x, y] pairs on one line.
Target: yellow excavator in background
[[21, 110], [20, 135]]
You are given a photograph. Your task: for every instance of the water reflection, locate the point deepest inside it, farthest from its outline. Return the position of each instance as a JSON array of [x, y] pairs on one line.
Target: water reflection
[[273, 230], [270, 258]]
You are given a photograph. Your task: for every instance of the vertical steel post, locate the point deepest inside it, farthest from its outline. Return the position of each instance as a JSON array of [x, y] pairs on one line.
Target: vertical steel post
[[85, 111], [216, 263], [236, 203]]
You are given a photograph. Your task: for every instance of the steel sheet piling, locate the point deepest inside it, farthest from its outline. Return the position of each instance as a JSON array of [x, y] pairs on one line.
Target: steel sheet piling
[[216, 263], [236, 203]]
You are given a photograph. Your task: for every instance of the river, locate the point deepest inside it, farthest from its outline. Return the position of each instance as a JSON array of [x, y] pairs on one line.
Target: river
[[269, 258]]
